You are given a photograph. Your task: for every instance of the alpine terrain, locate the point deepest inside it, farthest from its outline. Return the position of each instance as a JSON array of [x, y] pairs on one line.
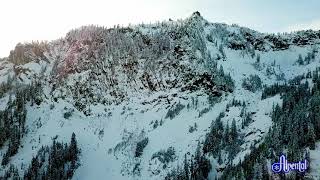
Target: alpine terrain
[[185, 99]]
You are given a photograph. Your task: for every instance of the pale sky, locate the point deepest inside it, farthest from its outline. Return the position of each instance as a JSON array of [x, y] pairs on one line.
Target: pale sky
[[26, 20]]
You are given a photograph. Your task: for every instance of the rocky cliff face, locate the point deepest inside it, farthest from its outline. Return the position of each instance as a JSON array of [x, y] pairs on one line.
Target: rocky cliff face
[[100, 65]]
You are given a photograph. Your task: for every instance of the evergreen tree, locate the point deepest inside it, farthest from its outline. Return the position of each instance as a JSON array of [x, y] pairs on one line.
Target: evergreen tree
[[73, 149], [233, 131], [186, 167], [258, 59], [257, 171], [300, 60], [221, 72], [311, 137], [226, 137]]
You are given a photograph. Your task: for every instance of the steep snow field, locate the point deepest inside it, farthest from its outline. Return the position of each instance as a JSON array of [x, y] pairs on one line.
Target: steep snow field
[[99, 134]]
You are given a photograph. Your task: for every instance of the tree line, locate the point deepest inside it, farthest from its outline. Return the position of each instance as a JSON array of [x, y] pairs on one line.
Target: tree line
[[57, 161], [13, 117], [296, 128]]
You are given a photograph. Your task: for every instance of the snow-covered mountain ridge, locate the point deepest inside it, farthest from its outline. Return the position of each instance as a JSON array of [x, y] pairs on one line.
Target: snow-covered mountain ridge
[[142, 99]]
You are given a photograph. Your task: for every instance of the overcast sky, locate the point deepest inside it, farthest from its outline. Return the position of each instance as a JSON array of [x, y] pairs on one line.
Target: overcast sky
[[26, 20]]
